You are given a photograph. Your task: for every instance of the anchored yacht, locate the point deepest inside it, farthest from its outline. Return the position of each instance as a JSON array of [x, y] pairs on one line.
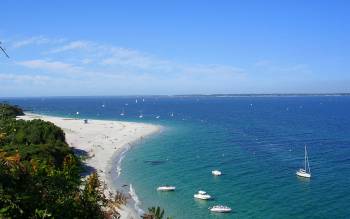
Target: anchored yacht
[[216, 172], [306, 173], [220, 209], [202, 195], [166, 188]]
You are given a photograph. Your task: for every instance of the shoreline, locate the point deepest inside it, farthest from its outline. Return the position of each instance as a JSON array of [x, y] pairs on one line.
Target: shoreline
[[102, 141]]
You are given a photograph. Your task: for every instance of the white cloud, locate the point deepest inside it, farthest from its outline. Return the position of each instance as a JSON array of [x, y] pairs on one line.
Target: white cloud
[[37, 40], [71, 46], [110, 55], [50, 65], [37, 79], [91, 65]]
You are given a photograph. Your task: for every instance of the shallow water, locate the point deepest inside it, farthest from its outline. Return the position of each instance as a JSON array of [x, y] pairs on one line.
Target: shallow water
[[257, 142]]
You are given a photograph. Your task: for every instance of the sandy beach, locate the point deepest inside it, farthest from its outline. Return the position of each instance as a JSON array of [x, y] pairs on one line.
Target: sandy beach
[[101, 140]]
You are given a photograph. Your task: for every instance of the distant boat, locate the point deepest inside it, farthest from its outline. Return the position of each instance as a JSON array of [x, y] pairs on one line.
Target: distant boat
[[77, 113], [122, 113], [136, 101], [103, 106], [202, 195], [143, 99], [141, 116], [220, 209], [216, 172], [166, 188], [172, 114], [157, 117], [306, 173]]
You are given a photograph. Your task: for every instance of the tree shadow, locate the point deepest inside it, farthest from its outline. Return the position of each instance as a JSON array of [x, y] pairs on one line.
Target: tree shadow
[[80, 152], [87, 169]]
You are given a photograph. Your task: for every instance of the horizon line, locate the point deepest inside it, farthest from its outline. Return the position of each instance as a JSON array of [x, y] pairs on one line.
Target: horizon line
[[190, 95]]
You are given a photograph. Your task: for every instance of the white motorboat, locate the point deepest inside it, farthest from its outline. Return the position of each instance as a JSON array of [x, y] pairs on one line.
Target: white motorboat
[[306, 173], [166, 188], [220, 209], [216, 172], [157, 117], [202, 195], [122, 113]]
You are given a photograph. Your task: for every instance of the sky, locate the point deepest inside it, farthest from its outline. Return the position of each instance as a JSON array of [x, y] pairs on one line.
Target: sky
[[88, 48]]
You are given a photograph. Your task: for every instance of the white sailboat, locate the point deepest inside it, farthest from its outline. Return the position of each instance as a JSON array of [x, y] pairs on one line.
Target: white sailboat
[[306, 173]]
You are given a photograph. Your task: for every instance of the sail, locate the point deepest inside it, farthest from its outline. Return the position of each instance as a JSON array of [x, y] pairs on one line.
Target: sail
[[307, 162]]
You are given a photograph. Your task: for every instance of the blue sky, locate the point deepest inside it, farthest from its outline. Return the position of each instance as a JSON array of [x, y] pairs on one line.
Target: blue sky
[[61, 48]]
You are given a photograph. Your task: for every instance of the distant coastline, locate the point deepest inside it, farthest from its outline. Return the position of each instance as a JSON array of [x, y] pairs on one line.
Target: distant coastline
[[266, 95], [194, 95]]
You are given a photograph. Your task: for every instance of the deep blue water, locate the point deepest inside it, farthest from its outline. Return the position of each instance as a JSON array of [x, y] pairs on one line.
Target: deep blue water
[[257, 142]]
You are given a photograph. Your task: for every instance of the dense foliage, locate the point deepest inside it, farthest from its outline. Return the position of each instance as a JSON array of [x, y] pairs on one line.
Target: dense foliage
[[40, 175], [10, 111]]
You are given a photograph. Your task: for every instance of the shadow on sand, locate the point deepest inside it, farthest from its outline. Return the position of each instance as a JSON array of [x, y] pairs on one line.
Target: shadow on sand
[[87, 170]]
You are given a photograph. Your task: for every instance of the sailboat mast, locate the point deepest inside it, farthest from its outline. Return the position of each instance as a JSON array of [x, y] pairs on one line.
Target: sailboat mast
[[305, 159], [308, 164]]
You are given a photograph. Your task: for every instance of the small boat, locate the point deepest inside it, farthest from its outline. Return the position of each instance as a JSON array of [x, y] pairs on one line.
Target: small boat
[[135, 100], [172, 114], [166, 188], [122, 113], [216, 172], [306, 173], [141, 116], [220, 209], [202, 195], [102, 105], [157, 117]]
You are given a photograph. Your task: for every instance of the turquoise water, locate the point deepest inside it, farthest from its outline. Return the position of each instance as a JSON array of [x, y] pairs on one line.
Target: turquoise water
[[257, 142]]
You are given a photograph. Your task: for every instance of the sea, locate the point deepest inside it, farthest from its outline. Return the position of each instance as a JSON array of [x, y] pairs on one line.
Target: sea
[[257, 142]]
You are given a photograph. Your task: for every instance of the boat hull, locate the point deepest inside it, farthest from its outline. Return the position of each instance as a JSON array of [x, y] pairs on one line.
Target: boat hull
[[303, 174], [220, 210], [166, 189], [216, 173], [202, 197]]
